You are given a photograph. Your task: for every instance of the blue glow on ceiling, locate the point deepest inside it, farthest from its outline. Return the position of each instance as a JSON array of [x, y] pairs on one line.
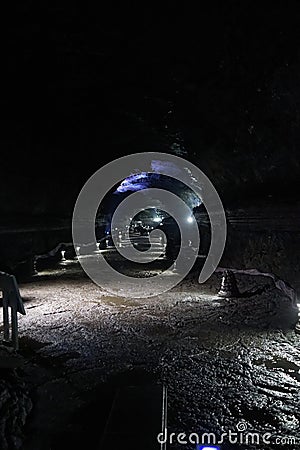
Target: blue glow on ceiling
[[135, 183], [143, 180], [169, 167]]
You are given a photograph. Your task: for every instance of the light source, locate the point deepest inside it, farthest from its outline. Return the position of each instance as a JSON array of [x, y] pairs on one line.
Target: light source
[[208, 447], [190, 219]]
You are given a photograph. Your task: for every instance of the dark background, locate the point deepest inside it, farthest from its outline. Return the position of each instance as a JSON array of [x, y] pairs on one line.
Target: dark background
[[219, 85]]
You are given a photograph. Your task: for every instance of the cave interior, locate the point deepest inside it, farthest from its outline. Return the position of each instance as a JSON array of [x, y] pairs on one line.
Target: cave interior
[[99, 367]]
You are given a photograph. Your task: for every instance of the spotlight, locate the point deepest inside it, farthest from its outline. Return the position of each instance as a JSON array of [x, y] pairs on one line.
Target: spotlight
[[189, 219], [208, 447], [157, 219]]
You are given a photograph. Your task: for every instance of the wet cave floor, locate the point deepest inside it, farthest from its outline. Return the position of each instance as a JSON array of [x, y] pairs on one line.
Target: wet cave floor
[[223, 361]]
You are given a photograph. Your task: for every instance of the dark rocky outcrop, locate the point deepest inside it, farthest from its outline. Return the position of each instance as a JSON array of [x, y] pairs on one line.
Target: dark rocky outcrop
[[15, 403]]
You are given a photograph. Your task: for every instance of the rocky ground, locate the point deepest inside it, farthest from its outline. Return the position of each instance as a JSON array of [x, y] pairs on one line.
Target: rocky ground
[[225, 362]]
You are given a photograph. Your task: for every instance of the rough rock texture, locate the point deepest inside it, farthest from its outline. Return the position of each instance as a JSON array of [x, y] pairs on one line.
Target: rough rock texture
[[224, 361], [15, 403]]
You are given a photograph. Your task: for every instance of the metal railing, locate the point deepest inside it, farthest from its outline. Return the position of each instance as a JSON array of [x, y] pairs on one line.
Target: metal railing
[[11, 298]]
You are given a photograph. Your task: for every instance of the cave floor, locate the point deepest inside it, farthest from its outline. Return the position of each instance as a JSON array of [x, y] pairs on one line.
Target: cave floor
[[223, 361]]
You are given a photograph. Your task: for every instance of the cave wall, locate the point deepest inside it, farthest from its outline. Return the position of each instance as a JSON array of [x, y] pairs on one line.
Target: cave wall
[[220, 88]]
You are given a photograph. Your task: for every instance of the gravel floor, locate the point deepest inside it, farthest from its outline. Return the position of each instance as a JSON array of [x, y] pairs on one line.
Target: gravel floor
[[225, 362]]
